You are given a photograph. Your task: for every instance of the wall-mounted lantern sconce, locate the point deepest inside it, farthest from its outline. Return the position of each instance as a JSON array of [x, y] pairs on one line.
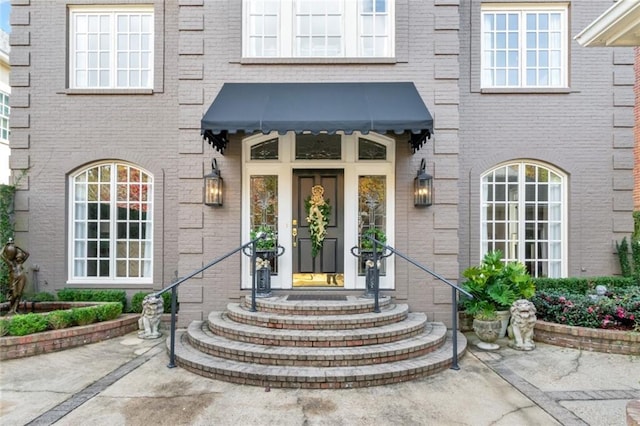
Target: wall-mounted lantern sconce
[[422, 187], [213, 186]]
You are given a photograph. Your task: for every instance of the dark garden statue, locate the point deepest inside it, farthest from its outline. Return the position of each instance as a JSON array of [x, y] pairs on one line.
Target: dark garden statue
[[15, 257]]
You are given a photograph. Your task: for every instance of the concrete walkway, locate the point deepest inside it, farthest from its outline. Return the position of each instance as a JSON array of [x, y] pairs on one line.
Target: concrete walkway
[[125, 381]]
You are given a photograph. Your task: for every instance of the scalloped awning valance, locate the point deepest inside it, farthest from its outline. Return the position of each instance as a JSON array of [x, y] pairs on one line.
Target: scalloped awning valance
[[317, 108]]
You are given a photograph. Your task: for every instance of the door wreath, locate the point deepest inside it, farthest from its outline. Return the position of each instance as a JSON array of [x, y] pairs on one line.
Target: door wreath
[[318, 211]]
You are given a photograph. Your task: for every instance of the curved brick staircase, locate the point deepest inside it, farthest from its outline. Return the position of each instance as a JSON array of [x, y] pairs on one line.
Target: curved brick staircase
[[316, 344]]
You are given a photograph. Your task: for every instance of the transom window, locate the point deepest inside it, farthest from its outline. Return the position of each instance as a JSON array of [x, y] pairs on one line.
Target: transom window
[[318, 29], [111, 48], [522, 215], [111, 224], [4, 116], [524, 47]]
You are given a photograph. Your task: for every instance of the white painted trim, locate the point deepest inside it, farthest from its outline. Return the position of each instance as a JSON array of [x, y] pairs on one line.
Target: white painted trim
[[283, 168], [617, 26]]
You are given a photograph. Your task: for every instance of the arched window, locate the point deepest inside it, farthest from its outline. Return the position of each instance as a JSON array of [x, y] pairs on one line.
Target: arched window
[[523, 215], [111, 224]]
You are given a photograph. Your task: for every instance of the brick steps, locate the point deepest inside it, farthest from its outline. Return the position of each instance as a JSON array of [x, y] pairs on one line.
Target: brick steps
[[322, 343], [389, 314], [220, 324], [313, 377], [199, 336], [281, 305]]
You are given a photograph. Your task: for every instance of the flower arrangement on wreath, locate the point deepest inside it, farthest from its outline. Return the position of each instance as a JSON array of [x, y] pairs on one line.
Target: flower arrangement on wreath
[[318, 212]]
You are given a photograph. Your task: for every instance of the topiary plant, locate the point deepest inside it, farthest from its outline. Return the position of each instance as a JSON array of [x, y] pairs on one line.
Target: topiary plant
[[60, 319], [84, 316], [21, 325], [108, 311]]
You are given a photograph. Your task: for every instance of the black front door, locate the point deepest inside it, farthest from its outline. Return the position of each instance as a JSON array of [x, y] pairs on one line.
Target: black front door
[[327, 267]]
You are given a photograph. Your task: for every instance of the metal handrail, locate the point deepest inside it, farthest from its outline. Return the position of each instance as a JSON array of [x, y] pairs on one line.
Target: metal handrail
[[260, 236], [454, 288], [174, 287]]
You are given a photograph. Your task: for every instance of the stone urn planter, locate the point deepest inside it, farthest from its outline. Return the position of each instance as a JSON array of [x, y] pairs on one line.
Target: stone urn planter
[[504, 317], [488, 331]]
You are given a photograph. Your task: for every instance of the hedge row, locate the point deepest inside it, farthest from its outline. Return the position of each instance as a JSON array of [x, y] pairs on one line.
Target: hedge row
[[23, 324], [584, 285]]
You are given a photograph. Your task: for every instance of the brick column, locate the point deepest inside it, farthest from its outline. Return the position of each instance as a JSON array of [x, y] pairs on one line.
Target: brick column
[[636, 133]]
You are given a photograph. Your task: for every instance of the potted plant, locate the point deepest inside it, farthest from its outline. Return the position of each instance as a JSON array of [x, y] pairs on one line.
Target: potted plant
[[366, 245], [495, 285], [265, 244], [486, 325]]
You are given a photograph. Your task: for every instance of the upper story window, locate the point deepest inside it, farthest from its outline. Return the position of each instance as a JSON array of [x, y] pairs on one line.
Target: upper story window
[[524, 47], [318, 28], [111, 48], [4, 117]]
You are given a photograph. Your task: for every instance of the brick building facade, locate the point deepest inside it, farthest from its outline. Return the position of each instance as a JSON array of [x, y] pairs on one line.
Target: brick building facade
[[536, 164]]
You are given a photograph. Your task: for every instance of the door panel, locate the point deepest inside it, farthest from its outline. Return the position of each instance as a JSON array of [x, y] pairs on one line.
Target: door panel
[[327, 268]]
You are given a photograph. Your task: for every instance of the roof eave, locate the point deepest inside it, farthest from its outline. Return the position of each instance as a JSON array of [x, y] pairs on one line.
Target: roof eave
[[617, 26]]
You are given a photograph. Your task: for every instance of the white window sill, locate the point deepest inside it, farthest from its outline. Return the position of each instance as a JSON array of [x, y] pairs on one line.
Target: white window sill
[[523, 90], [108, 91], [92, 284], [305, 61]]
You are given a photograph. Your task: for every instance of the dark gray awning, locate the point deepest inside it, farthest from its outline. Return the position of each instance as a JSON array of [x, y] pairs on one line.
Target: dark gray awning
[[316, 108]]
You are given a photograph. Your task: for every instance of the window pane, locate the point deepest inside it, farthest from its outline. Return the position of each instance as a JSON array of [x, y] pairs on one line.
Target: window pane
[[371, 212], [93, 221], [543, 41], [264, 209], [96, 42], [369, 150], [267, 150], [540, 218], [318, 147]]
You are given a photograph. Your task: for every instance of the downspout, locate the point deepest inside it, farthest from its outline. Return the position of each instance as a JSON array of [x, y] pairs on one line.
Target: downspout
[[164, 180]]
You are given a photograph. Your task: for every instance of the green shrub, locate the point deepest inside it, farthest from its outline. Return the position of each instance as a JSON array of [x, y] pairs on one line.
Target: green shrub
[[42, 296], [622, 249], [582, 285], [108, 311], [84, 316], [4, 327], [136, 302], [84, 295], [21, 325], [60, 319]]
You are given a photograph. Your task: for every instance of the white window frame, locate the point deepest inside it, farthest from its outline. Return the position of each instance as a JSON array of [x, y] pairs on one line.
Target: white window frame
[[352, 31], [79, 236], [353, 168], [112, 52], [518, 212], [5, 111], [521, 53]]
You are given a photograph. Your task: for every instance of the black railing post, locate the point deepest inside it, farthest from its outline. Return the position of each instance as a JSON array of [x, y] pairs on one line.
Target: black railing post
[[454, 331], [172, 353], [376, 278], [254, 253]]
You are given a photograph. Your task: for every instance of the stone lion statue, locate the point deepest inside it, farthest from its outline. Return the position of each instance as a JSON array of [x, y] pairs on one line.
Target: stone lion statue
[[523, 319], [149, 322]]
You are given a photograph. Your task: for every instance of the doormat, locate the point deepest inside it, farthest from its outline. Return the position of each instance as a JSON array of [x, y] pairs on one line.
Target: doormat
[[303, 297]]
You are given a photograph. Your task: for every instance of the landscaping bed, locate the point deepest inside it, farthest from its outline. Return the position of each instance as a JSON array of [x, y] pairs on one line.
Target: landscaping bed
[[56, 340], [589, 339], [571, 313]]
